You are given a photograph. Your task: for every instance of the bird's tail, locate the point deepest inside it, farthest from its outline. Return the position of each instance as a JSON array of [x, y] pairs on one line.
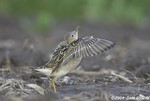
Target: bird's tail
[[45, 69]]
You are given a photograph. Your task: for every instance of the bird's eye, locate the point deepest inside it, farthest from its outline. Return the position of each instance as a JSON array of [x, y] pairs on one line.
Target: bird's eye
[[72, 35]]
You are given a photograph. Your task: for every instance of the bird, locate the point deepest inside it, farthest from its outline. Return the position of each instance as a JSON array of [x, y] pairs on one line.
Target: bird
[[69, 53]]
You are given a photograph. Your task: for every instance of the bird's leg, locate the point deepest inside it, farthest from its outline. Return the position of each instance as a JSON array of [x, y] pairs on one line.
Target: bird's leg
[[50, 83], [54, 85]]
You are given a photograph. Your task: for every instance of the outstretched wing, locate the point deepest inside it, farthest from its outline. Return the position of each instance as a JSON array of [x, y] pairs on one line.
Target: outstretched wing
[[89, 46]]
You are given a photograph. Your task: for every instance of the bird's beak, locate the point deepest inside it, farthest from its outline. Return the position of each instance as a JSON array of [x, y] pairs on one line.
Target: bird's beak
[[77, 28], [76, 31]]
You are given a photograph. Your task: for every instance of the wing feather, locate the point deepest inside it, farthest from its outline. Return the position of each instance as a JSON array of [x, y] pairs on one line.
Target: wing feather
[[89, 46], [79, 48], [88, 50], [91, 50], [83, 49]]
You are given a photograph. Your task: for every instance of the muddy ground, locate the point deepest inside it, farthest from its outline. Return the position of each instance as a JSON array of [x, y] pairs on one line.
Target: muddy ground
[[123, 73]]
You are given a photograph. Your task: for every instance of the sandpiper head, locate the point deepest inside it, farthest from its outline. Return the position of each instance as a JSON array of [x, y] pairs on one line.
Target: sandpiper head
[[72, 36]]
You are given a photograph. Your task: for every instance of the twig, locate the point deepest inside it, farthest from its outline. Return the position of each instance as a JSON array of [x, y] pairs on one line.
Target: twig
[[148, 74], [91, 73], [6, 84], [39, 89], [122, 77], [131, 74]]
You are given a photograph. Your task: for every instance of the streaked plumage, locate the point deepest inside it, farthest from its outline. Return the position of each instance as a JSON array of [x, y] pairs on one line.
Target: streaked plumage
[[70, 52]]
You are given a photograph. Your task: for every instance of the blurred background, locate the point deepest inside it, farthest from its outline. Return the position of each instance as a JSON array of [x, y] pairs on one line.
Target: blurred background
[[42, 15], [31, 29]]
